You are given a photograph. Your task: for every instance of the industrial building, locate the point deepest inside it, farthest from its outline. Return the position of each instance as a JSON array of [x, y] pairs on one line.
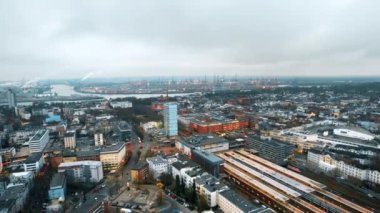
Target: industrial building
[[280, 188], [270, 149]]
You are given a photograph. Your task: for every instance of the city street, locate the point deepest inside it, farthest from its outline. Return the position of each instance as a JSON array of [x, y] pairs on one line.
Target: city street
[[171, 205]]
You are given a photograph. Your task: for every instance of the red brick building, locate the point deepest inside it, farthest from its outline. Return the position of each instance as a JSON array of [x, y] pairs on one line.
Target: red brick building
[[212, 127]]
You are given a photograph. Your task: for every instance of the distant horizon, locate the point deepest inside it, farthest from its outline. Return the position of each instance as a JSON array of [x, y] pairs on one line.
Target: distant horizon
[[374, 78]]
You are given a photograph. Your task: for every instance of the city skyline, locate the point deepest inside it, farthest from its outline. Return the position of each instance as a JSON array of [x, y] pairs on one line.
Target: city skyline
[[42, 40]]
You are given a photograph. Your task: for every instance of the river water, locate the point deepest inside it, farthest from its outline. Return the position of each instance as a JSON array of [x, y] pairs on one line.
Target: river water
[[67, 90]]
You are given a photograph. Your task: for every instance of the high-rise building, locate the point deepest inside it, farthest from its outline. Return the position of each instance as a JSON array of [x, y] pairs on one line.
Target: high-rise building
[[11, 99], [170, 119]]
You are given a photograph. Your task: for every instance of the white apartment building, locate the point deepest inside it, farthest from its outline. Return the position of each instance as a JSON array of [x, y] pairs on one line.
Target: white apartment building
[[190, 175], [208, 186], [82, 171], [38, 142], [326, 163], [180, 168], [34, 162], [158, 165]]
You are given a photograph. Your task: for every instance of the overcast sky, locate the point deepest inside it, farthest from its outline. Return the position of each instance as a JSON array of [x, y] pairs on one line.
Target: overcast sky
[[80, 39]]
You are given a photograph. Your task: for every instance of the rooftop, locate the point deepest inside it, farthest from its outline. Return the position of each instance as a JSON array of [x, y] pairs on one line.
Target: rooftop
[[210, 182], [208, 156], [58, 180], [139, 165], [69, 134], [113, 148], [39, 135], [80, 163], [242, 203], [13, 192], [272, 142], [157, 160], [180, 165], [33, 157], [195, 172], [199, 140]]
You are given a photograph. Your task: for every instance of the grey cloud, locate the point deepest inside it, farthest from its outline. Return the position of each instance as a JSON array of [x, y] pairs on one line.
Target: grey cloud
[[122, 38]]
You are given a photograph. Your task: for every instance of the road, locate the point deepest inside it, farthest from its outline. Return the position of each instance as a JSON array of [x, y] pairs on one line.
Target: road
[[125, 177], [172, 205]]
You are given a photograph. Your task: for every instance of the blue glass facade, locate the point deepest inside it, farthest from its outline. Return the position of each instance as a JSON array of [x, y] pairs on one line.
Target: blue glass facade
[[170, 119]]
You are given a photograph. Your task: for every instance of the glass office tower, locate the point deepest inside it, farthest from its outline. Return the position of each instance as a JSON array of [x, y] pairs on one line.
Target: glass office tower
[[170, 119]]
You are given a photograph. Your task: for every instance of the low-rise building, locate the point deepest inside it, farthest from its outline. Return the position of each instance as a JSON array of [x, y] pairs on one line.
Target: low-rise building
[[14, 198], [21, 177], [70, 140], [230, 201], [326, 163], [180, 167], [139, 172], [209, 187], [82, 171], [271, 149], [98, 137], [57, 188], [34, 162], [208, 161], [158, 165], [208, 143], [121, 104], [190, 175], [113, 156]]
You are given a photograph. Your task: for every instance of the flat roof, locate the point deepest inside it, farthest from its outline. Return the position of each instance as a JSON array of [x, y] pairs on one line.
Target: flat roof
[[208, 156], [113, 148], [33, 157], [139, 165], [80, 163], [271, 142], [241, 202], [198, 140], [157, 159], [88, 153], [58, 180], [39, 134]]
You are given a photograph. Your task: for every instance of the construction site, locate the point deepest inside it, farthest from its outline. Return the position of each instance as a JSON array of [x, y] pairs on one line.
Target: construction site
[[280, 188]]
